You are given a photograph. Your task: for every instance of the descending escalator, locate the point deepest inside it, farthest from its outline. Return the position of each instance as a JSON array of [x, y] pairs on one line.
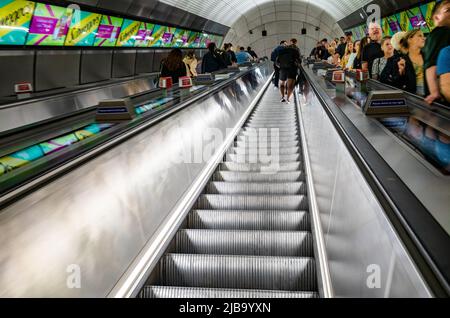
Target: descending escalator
[[249, 234]]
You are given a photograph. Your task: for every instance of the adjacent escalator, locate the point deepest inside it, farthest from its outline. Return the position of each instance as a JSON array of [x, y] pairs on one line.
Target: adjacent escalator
[[249, 234]]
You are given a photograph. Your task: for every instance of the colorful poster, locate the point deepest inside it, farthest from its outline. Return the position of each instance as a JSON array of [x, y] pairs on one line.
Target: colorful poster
[[386, 27], [15, 18], [194, 40], [49, 26], [127, 37], [427, 10], [416, 20], [181, 38], [144, 35], [19, 159], [403, 20], [204, 41], [83, 28], [393, 24], [108, 31], [156, 40], [167, 36]]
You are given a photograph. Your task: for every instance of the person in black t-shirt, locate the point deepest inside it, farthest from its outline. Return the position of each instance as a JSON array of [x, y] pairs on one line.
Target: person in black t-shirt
[[341, 47], [436, 41], [289, 60], [372, 51], [322, 51], [252, 53]]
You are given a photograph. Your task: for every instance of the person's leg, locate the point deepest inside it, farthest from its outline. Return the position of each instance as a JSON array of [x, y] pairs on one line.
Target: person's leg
[[290, 88], [283, 89], [277, 76]]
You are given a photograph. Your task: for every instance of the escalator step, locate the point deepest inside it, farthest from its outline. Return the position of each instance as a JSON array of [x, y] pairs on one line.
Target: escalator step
[[254, 158], [263, 132], [267, 144], [263, 168], [239, 272], [192, 293], [255, 243], [267, 151], [252, 202], [291, 188], [266, 139], [229, 176], [262, 220]]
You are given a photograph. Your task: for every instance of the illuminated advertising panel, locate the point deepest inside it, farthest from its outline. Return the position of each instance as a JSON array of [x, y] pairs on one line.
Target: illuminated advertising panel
[[427, 10], [128, 34], [416, 19], [108, 31], [157, 34], [181, 38], [83, 28], [50, 25], [144, 35], [15, 18]]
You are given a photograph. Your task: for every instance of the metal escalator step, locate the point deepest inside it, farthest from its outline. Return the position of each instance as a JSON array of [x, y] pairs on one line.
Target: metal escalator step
[[262, 120], [262, 220], [192, 293], [260, 144], [267, 151], [271, 129], [266, 139], [255, 243], [263, 168], [267, 133], [239, 272], [289, 188], [229, 176], [274, 125], [252, 202], [261, 159]]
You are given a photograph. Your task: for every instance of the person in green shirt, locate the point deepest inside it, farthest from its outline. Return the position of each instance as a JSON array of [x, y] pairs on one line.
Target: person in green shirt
[[437, 40]]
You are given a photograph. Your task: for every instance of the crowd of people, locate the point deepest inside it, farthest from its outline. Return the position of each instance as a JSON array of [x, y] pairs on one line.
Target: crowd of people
[[408, 60], [176, 66]]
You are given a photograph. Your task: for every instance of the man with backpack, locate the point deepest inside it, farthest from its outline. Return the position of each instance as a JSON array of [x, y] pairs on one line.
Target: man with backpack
[[289, 60], [273, 58]]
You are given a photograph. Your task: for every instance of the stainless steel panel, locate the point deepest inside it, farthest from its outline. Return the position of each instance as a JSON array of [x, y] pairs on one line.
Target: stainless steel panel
[[16, 66], [142, 8], [98, 217], [157, 59], [55, 69], [124, 63], [144, 62], [25, 113], [360, 241], [96, 66]]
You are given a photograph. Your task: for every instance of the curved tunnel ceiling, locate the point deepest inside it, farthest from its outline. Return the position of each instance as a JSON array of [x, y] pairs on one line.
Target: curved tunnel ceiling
[[227, 12]]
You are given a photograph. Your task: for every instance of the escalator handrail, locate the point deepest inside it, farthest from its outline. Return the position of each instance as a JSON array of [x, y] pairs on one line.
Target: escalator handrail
[[426, 241]]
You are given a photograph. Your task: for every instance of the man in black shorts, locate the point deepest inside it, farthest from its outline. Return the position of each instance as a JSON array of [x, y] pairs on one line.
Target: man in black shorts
[[288, 61]]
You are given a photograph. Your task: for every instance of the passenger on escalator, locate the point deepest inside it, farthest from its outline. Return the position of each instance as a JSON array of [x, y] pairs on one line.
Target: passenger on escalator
[[372, 50], [322, 52], [348, 52], [230, 56], [357, 64], [242, 56], [252, 53], [273, 58], [406, 72], [212, 61], [380, 63], [443, 71], [334, 57], [341, 47], [353, 55], [288, 61], [191, 62], [173, 66], [437, 40]]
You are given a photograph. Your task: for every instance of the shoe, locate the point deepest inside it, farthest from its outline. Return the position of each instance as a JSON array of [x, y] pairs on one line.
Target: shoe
[[288, 102], [283, 100]]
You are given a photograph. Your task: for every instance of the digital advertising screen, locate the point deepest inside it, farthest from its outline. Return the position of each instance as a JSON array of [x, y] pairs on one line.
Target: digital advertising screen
[[427, 10], [108, 31], [144, 35], [127, 37], [194, 40], [49, 26], [167, 36], [393, 24], [15, 18], [158, 31], [363, 30], [386, 27], [204, 40], [403, 20], [181, 38], [416, 20], [83, 28]]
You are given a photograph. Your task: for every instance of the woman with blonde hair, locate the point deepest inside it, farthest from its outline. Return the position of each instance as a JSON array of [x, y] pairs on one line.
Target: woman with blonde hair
[[191, 63], [348, 52]]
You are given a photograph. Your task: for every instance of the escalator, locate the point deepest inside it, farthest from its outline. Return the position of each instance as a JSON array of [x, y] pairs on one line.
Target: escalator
[[249, 234]]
